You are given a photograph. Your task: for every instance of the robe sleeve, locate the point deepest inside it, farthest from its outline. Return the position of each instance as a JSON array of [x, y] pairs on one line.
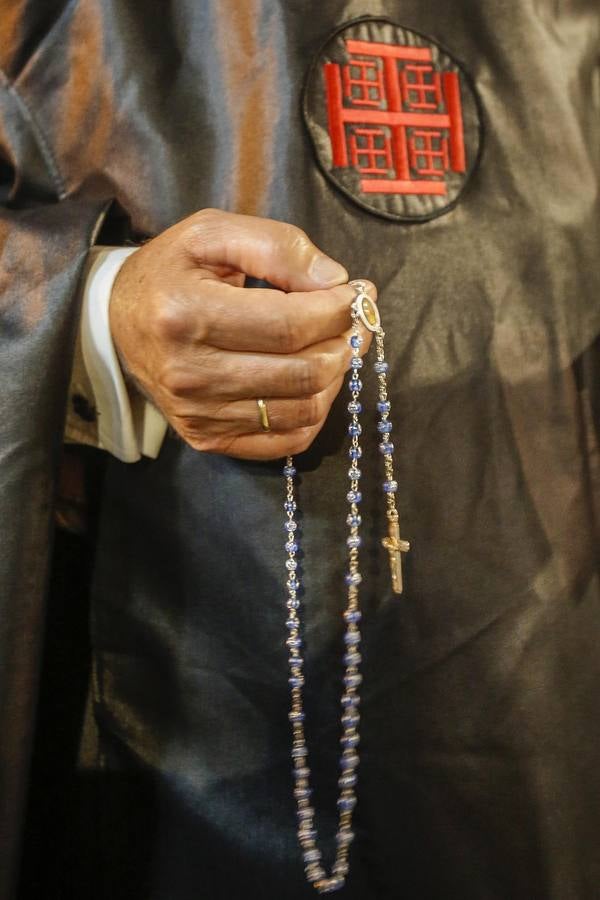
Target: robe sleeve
[[45, 233]]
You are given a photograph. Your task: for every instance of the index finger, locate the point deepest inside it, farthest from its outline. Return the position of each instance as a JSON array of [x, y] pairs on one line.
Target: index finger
[[271, 321]]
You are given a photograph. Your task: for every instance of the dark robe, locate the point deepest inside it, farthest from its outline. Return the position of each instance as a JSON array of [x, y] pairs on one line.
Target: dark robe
[[480, 751]]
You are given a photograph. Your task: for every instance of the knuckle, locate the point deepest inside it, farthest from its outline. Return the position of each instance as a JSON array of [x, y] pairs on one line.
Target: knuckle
[[178, 381], [307, 378], [287, 334], [169, 321], [310, 410]]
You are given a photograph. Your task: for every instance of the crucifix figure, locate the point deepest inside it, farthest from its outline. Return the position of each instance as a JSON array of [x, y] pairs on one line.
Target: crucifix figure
[[395, 546]]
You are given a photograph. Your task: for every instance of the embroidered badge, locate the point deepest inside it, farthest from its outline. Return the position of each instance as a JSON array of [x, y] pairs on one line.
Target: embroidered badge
[[394, 119]]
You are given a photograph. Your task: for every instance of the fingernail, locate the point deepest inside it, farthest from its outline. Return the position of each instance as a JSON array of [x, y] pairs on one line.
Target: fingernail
[[327, 272]]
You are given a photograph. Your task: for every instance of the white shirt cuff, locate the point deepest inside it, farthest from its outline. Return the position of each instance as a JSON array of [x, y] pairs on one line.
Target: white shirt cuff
[[127, 430]]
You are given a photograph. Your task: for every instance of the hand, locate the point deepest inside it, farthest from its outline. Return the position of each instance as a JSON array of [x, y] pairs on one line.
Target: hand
[[203, 348]]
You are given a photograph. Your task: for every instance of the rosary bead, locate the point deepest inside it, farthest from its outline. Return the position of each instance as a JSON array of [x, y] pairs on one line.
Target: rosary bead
[[352, 658], [350, 740], [291, 623], [291, 547], [353, 615], [384, 406], [289, 471], [312, 856], [352, 637], [290, 525], [349, 762], [354, 429], [354, 473], [353, 578], [290, 506], [355, 453], [292, 603], [350, 700], [344, 837], [386, 447], [390, 487], [352, 681], [354, 496], [350, 719], [296, 680], [353, 541], [299, 751], [294, 642], [380, 367], [296, 716], [302, 793], [293, 584], [346, 803], [353, 521], [356, 362], [384, 427], [356, 341], [355, 384], [354, 407], [307, 812], [301, 772], [291, 564], [348, 780]]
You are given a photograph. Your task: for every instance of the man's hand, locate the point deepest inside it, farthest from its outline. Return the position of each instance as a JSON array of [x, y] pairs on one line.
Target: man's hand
[[204, 348]]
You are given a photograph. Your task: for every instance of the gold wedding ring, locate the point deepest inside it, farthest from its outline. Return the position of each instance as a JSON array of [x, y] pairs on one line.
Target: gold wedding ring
[[264, 415]]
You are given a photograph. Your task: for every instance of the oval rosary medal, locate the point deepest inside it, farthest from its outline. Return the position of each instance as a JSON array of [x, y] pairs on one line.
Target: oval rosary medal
[[365, 311]]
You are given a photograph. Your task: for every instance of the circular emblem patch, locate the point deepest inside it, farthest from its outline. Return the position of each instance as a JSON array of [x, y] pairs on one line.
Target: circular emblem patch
[[394, 119]]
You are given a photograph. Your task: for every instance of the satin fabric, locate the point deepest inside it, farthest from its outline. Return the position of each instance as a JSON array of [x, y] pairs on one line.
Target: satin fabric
[[480, 738]]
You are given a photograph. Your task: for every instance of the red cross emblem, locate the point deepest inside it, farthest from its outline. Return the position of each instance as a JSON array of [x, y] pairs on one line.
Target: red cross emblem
[[394, 118]]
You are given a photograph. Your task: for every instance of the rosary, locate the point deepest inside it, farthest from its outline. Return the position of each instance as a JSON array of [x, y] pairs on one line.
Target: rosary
[[365, 311]]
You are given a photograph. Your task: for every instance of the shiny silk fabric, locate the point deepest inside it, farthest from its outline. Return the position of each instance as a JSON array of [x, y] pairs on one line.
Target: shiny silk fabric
[[480, 755]]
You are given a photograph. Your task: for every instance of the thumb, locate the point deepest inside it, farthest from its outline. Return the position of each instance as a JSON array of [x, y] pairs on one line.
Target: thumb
[[262, 248]]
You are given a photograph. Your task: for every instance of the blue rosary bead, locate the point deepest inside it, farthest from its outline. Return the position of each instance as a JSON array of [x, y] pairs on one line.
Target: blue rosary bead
[[390, 487], [352, 637], [291, 547], [356, 341], [352, 658], [355, 452], [289, 471], [354, 407], [296, 661], [349, 761], [384, 427], [350, 740], [293, 642], [352, 615], [353, 681], [345, 803], [290, 506], [356, 362], [384, 406], [381, 367], [353, 578], [292, 603], [291, 624], [296, 717], [293, 584], [354, 496], [350, 719], [296, 680], [386, 447], [350, 700], [353, 521], [354, 429], [355, 384]]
